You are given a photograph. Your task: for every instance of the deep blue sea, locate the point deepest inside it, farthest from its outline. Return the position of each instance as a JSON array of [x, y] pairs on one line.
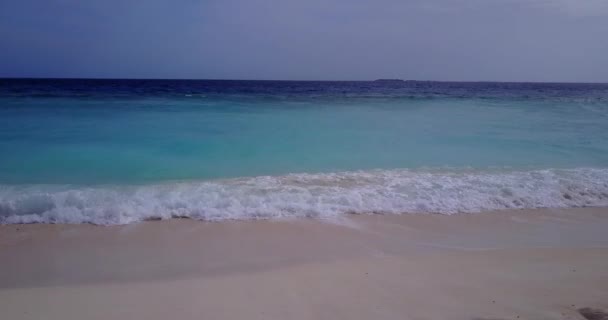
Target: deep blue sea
[[121, 151]]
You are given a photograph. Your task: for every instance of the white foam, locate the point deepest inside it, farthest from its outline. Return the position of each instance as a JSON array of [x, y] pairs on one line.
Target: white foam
[[308, 195]]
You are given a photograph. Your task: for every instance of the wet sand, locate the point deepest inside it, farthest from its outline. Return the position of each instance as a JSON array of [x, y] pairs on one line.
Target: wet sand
[[535, 264]]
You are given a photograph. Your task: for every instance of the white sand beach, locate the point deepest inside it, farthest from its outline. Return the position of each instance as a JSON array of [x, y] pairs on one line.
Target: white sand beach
[[529, 264]]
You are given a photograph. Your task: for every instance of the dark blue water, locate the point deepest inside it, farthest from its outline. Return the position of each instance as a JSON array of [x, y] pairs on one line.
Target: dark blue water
[[123, 88]]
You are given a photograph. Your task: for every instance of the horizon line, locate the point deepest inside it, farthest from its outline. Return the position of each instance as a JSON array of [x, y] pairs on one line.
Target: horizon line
[[292, 80]]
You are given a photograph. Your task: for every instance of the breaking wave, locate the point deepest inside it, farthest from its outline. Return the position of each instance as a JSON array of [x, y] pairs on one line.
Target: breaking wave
[[307, 195]]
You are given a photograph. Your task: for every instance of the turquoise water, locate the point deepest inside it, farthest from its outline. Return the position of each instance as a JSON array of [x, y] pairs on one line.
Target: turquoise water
[[123, 157], [93, 142]]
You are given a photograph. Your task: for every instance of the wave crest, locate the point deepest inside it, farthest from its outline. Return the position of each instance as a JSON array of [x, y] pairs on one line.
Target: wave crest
[[308, 195]]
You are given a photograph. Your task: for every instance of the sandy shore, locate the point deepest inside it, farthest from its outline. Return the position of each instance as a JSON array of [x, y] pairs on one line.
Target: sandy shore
[[540, 264]]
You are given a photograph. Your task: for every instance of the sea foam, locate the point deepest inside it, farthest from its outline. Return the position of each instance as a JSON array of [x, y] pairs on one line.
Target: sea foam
[[325, 195]]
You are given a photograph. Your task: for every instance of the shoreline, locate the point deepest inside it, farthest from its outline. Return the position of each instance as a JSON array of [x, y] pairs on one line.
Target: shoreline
[[531, 264], [322, 195]]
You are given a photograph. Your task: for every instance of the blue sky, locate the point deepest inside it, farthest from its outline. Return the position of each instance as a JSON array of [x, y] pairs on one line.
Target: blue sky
[[502, 40]]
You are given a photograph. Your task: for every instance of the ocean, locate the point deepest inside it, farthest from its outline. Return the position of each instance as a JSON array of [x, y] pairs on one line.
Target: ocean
[[121, 151]]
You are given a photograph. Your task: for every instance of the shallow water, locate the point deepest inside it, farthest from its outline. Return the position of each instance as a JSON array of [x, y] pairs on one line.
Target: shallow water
[[119, 151]]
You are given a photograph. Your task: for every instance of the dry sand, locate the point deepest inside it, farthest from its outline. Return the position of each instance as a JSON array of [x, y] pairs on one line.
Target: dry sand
[[539, 264]]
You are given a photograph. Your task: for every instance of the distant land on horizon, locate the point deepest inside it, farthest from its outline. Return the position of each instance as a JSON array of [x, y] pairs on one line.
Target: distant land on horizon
[[391, 80]]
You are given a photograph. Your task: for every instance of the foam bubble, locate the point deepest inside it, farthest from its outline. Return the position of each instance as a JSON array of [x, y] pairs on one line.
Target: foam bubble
[[308, 195]]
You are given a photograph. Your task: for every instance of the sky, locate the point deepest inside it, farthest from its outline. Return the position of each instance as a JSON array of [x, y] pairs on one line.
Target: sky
[[452, 40]]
